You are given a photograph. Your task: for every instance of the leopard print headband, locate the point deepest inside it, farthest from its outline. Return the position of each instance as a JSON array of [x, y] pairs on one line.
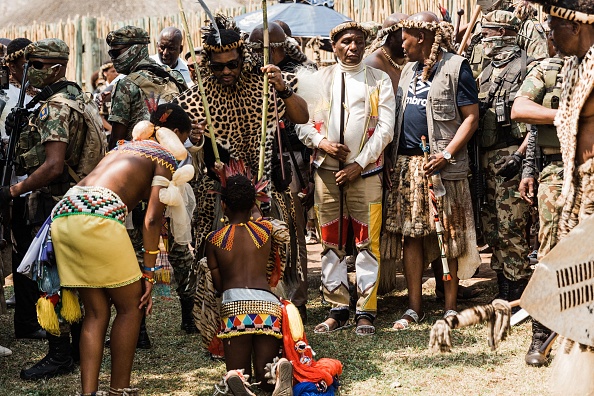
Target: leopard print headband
[[570, 15], [222, 48], [14, 56], [381, 37]]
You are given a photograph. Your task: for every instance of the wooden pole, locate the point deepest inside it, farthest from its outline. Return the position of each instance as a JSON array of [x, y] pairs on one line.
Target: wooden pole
[[341, 164], [475, 15], [265, 94], [435, 213], [200, 85]]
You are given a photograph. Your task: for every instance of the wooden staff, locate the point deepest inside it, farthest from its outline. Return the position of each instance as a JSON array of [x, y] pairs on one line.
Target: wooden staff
[[434, 212], [475, 15], [200, 85], [265, 94], [279, 136], [341, 163]]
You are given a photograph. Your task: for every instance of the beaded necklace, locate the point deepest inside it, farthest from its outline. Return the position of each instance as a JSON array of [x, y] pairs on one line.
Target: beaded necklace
[[392, 62], [258, 230], [148, 149]]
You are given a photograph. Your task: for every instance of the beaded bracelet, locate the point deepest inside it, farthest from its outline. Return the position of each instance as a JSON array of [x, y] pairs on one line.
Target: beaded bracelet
[[149, 279], [151, 251], [286, 94], [152, 269]]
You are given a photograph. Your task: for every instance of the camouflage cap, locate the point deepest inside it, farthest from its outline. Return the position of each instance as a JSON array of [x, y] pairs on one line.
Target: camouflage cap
[[128, 35], [501, 19], [51, 48]]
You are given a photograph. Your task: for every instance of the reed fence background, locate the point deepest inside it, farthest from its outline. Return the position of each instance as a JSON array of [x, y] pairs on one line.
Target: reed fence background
[[85, 35]]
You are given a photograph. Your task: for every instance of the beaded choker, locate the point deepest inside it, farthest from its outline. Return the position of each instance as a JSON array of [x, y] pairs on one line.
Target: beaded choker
[[258, 230]]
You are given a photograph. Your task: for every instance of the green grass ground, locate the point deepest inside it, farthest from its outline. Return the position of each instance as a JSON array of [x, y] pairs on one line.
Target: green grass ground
[[389, 363]]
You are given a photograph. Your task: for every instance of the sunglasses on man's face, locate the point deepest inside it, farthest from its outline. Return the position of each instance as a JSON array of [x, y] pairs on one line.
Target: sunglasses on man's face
[[40, 65], [218, 67]]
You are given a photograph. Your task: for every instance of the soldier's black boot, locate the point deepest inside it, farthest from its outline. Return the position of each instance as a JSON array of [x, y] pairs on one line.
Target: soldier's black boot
[[540, 334], [187, 324], [502, 286], [58, 361], [144, 342], [516, 288]]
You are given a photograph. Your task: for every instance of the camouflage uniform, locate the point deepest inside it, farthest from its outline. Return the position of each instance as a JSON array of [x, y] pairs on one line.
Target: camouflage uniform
[[505, 215], [537, 89], [51, 122], [128, 105], [531, 38], [543, 86]]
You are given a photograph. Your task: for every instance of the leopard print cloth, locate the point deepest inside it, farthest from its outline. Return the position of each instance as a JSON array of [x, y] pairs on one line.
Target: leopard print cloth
[[576, 89]]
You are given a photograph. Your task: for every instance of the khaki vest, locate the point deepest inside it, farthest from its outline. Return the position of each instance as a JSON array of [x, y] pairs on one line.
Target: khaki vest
[[503, 84], [443, 115]]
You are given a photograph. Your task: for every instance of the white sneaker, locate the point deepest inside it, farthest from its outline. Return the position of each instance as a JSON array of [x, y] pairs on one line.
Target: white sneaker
[[5, 351]]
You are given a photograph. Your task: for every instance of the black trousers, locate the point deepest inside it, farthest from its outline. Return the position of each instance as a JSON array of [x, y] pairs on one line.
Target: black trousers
[[25, 290]]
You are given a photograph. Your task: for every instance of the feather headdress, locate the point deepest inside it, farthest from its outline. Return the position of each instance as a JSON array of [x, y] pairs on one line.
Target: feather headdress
[[237, 167]]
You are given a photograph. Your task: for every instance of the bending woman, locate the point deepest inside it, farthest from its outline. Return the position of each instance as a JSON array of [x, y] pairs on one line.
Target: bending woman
[[95, 255]]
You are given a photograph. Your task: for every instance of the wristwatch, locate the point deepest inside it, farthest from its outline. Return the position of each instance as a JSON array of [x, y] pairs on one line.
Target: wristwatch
[[447, 156]]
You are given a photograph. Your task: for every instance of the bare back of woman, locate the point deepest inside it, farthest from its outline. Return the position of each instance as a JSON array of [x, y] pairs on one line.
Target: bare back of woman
[[237, 255]]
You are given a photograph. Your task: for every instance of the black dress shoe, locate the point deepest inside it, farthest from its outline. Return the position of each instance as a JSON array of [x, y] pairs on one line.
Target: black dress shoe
[[38, 334], [11, 302]]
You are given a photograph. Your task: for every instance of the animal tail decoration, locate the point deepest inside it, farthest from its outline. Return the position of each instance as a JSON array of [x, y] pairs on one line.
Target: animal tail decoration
[[497, 314]]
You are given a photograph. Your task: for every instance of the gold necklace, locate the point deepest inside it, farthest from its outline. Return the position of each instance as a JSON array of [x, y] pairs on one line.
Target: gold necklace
[[396, 65]]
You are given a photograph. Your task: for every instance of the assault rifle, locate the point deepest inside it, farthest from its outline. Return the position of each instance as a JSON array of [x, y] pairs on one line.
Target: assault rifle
[[19, 116], [478, 185]]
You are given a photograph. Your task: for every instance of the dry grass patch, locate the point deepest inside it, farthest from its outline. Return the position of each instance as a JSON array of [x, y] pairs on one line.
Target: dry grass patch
[[389, 363]]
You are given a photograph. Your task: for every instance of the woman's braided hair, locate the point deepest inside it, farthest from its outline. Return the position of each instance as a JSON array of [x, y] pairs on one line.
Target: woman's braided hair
[[444, 38]]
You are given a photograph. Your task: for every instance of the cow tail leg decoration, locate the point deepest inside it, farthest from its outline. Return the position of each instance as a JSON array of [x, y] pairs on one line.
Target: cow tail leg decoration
[[498, 315]]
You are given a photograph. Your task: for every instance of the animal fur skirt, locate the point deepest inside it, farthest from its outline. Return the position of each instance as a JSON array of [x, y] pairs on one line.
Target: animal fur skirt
[[408, 215]]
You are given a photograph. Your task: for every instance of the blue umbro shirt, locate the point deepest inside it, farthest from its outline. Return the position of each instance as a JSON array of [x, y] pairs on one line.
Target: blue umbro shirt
[[414, 122]]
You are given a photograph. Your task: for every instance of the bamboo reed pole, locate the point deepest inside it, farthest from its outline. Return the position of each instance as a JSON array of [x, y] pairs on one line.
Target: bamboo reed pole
[[266, 93]]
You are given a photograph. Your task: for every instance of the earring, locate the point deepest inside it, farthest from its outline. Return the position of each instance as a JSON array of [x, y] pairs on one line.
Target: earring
[[222, 219], [252, 218]]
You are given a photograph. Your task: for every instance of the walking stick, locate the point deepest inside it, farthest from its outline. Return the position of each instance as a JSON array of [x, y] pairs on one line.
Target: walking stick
[[434, 212], [278, 135], [340, 163], [265, 94], [199, 77]]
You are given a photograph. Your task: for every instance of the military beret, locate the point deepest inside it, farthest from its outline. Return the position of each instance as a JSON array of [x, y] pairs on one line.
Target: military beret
[[128, 35], [501, 19], [52, 48], [347, 26]]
